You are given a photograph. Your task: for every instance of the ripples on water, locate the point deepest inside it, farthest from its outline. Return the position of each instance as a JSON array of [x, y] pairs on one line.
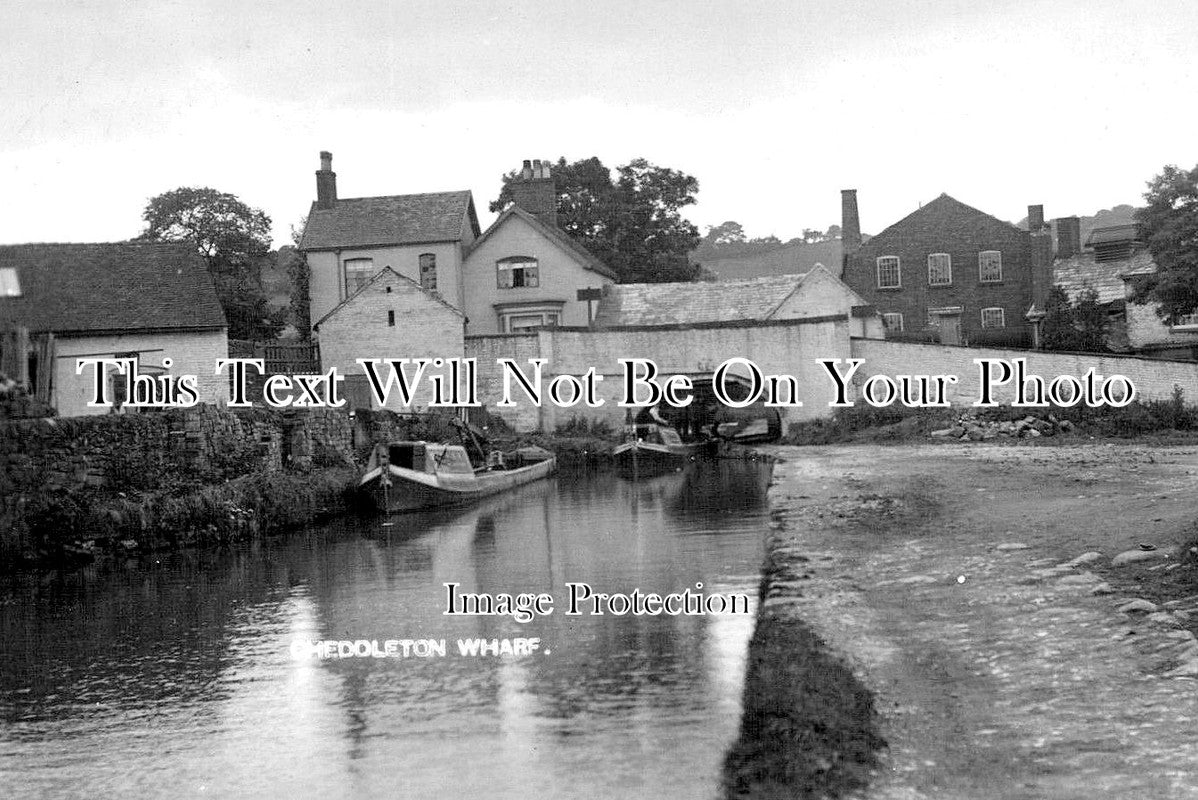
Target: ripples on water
[[172, 676]]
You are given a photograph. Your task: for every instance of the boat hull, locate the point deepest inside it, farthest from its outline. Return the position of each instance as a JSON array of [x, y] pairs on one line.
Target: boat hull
[[409, 490], [654, 458]]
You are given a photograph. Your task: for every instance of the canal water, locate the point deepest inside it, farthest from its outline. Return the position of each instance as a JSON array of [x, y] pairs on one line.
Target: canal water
[[175, 676]]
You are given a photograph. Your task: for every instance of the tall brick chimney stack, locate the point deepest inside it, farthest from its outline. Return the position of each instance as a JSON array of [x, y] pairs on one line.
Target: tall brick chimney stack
[[850, 221], [1041, 255], [1069, 236], [535, 191], [1035, 218], [326, 182]]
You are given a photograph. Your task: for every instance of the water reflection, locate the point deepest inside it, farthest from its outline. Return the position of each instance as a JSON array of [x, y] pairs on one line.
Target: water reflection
[[175, 676]]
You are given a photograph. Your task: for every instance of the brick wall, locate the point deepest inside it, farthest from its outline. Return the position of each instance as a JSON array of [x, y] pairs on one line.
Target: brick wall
[[947, 226]]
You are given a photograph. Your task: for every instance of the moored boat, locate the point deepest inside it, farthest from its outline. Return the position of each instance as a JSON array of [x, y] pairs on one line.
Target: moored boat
[[655, 449], [407, 476]]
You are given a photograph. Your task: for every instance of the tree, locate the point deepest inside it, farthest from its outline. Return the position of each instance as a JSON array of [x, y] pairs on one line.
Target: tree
[[299, 277], [1079, 326], [234, 240], [633, 223], [726, 233], [1170, 225]]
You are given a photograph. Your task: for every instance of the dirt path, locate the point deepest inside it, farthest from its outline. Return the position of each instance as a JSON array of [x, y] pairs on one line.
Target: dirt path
[[1000, 673]]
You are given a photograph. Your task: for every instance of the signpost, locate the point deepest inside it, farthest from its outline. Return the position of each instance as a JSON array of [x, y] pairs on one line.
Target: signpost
[[590, 295]]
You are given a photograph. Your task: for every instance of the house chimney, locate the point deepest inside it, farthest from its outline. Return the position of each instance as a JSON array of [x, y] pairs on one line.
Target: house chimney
[[1043, 275], [1035, 218], [326, 182], [850, 221], [536, 192], [1069, 237]]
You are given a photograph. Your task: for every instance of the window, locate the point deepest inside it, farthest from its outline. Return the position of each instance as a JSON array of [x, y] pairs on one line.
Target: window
[[893, 321], [993, 318], [990, 266], [513, 273], [390, 319], [9, 285], [1186, 320], [889, 276], [428, 272], [940, 269], [357, 272], [519, 323]]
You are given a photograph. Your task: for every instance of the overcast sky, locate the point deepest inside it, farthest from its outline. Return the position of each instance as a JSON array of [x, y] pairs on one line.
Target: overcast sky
[[773, 106]]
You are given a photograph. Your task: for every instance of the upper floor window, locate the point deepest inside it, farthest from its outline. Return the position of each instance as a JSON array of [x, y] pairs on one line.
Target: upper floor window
[[893, 321], [357, 272], [940, 269], [990, 266], [512, 273], [889, 276], [428, 272], [993, 318], [9, 285]]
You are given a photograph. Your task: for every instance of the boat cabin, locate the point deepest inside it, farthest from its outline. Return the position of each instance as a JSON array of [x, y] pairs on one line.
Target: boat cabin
[[430, 458]]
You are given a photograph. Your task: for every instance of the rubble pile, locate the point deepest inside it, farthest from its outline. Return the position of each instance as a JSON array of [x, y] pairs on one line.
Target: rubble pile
[[971, 428]]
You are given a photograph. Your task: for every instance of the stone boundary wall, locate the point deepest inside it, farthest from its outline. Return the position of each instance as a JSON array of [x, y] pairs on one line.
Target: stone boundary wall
[[789, 347], [1153, 379]]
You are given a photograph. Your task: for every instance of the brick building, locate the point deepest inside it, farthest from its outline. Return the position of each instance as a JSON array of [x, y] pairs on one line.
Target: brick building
[[950, 273]]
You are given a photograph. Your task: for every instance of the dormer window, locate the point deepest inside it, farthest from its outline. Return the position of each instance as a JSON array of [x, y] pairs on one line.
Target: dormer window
[[517, 272], [889, 276], [940, 269], [357, 272]]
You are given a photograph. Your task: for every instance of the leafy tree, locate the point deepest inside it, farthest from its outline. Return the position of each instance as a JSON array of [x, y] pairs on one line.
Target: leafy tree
[[726, 233], [1170, 223], [1079, 326], [633, 223], [233, 238]]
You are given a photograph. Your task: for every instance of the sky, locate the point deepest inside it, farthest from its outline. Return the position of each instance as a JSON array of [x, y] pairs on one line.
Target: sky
[[773, 106]]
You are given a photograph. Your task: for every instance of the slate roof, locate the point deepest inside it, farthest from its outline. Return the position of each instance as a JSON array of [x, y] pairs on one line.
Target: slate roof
[[688, 303], [942, 204], [387, 271], [113, 287], [554, 234], [1078, 273], [391, 220]]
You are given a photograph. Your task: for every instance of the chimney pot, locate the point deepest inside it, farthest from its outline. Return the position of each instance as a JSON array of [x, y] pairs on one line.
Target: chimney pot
[[535, 192]]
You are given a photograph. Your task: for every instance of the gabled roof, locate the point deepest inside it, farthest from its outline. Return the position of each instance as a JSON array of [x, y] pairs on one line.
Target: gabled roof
[[554, 234], [686, 303], [942, 204], [391, 220], [112, 287], [387, 272], [1081, 272]]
